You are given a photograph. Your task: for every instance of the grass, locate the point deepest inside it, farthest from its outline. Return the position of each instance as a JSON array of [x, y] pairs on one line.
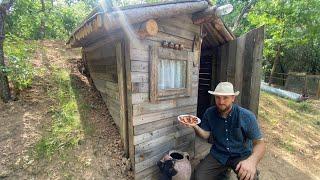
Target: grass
[[287, 145], [284, 119], [66, 129], [300, 106]]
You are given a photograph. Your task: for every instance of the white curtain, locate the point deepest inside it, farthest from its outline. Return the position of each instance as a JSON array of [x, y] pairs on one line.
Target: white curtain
[[172, 74]]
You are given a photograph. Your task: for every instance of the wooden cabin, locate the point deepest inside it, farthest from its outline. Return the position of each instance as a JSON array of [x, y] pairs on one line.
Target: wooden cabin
[[154, 62]]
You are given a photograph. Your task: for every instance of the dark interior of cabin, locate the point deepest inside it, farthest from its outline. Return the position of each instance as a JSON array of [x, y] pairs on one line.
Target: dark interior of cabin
[[207, 71], [205, 80]]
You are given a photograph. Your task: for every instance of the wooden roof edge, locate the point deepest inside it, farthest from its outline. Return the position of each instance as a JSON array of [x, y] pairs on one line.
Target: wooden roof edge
[[229, 30], [216, 23], [226, 32], [156, 4], [86, 21]]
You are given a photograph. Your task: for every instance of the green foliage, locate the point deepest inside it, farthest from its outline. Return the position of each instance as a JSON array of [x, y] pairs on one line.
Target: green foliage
[[292, 26], [230, 19], [23, 24], [19, 70], [60, 18]]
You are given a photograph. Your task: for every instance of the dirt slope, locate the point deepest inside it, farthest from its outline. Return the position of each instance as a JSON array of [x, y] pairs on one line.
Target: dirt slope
[[23, 123], [293, 138]]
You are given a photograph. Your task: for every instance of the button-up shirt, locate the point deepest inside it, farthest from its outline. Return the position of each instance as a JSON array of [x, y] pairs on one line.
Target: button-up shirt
[[232, 135]]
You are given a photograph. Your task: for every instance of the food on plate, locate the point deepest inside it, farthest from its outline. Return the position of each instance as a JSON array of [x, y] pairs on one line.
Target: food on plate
[[188, 119]]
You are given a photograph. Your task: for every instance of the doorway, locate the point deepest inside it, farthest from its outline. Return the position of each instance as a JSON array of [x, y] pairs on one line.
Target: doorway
[[207, 74]]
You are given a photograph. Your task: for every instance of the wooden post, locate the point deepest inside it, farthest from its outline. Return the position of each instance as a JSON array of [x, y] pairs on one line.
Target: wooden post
[[122, 96], [305, 89], [318, 91], [127, 62]]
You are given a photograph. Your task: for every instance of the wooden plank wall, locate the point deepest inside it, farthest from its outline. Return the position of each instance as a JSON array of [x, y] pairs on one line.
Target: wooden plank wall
[[154, 125], [239, 62], [102, 64]]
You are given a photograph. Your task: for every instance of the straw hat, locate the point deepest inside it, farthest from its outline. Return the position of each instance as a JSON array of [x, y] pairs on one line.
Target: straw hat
[[224, 89]]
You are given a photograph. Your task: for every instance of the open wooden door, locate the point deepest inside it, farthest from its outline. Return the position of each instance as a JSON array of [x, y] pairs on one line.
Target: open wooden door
[[239, 62]]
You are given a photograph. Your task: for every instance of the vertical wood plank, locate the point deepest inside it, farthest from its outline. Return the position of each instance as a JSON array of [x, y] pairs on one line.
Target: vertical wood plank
[[129, 100], [252, 69], [224, 62], [257, 69], [239, 67], [215, 71], [189, 72], [231, 66], [239, 62], [248, 67], [153, 72], [122, 96]]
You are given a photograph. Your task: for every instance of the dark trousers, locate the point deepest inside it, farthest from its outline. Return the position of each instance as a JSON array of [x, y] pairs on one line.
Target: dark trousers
[[210, 169]]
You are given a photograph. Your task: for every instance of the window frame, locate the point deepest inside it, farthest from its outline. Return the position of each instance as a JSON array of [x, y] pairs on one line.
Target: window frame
[[156, 54]]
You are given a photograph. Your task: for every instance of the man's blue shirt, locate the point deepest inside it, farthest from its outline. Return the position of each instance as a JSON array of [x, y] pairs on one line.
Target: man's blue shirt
[[232, 135]]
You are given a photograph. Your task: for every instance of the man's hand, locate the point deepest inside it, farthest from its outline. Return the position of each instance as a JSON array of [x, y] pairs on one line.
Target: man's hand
[[188, 125], [246, 169]]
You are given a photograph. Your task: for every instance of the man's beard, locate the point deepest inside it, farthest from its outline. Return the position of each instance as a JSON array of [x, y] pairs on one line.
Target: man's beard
[[223, 110]]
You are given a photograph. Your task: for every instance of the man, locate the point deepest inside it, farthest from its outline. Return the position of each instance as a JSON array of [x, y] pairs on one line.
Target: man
[[237, 140]]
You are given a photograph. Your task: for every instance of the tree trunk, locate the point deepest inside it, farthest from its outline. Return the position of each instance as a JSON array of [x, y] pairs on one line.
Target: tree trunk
[[282, 74], [42, 23], [275, 65], [4, 84]]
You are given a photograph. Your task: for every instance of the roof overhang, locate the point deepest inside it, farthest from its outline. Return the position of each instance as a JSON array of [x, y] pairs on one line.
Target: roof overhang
[[100, 23]]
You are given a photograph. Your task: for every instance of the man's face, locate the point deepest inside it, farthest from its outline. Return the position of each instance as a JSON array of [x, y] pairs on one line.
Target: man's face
[[224, 103]]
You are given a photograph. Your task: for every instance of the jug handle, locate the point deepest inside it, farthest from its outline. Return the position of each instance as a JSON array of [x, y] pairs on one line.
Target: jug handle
[[186, 155]]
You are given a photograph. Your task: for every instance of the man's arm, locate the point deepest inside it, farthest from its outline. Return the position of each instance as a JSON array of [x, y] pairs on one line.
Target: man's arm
[[201, 133], [258, 151], [248, 167]]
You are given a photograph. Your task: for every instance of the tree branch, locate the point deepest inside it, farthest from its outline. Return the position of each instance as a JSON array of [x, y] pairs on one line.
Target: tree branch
[[4, 7], [244, 10]]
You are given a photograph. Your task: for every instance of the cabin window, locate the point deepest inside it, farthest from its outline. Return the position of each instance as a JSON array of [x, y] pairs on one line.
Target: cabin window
[[170, 73]]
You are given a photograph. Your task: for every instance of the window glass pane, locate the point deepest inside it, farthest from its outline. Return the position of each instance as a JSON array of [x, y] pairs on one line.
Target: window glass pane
[[171, 74]]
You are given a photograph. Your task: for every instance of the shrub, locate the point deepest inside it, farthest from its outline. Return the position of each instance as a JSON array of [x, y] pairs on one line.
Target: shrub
[[19, 67]]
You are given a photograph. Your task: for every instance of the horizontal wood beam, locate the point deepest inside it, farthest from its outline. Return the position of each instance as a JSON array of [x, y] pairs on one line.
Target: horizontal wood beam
[[211, 13], [124, 18], [205, 16], [145, 29], [121, 18]]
